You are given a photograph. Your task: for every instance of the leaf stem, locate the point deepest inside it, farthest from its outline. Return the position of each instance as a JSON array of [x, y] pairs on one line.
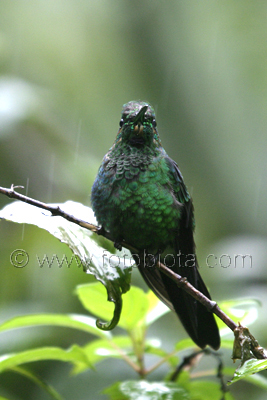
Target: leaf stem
[[162, 361], [137, 336], [124, 356]]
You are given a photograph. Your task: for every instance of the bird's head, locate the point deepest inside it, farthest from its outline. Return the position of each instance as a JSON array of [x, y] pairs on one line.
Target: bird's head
[[138, 125]]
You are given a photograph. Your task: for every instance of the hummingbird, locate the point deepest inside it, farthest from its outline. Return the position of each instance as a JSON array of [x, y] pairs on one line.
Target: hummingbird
[[139, 196]]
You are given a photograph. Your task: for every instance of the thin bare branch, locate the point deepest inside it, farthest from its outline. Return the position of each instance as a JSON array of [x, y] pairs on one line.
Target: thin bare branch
[[182, 282]]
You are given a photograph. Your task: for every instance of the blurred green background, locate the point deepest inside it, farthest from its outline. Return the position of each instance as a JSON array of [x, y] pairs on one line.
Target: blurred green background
[[67, 67]]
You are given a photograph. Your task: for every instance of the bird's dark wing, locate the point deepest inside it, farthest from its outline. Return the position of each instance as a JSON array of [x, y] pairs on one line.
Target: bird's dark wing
[[197, 320]]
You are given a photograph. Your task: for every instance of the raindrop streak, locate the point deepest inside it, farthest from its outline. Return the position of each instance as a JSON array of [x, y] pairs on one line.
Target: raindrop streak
[[76, 154], [26, 194], [257, 196], [167, 87], [51, 178]]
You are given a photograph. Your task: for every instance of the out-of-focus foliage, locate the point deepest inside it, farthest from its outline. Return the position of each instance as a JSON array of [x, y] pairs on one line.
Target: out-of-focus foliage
[[66, 68], [132, 348]]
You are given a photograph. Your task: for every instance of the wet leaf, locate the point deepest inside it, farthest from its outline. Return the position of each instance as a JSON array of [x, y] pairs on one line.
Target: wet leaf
[[143, 390], [248, 368], [111, 270]]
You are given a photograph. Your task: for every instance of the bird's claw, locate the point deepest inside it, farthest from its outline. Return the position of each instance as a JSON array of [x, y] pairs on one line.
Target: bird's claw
[[101, 231], [118, 245]]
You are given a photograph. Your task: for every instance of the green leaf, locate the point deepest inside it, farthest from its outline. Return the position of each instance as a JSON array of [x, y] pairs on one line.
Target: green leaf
[[38, 381], [100, 349], [143, 390], [256, 379], [185, 344], [206, 390], [111, 270], [244, 311], [75, 321], [248, 368], [155, 309], [73, 355], [135, 304], [227, 343], [201, 389]]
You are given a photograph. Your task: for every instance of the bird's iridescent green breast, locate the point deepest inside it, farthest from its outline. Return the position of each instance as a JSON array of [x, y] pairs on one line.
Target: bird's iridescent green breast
[[141, 206]]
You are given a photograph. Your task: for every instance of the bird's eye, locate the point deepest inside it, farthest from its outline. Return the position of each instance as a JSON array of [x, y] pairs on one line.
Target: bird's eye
[[154, 123], [121, 122]]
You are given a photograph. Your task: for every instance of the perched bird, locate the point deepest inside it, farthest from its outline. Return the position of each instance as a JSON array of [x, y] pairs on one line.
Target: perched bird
[[139, 196]]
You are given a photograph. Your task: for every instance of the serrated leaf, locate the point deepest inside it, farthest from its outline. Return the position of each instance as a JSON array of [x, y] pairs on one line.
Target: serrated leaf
[[74, 355], [135, 304], [143, 390], [75, 321], [113, 272], [248, 368]]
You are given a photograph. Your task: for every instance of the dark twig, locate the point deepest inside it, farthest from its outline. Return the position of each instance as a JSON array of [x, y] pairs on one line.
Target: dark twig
[[191, 360], [212, 306], [57, 211], [190, 289], [187, 363]]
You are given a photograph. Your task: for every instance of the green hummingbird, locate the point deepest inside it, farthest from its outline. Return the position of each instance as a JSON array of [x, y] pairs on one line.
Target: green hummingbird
[[139, 196]]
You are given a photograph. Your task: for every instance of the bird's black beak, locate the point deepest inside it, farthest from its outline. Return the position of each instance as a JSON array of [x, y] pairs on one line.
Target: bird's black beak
[[140, 115], [138, 121]]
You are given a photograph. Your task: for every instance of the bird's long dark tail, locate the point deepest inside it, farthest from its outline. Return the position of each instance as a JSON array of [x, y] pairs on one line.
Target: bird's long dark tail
[[196, 319]]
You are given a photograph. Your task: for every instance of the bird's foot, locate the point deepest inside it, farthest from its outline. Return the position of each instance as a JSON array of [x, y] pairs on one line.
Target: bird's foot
[[101, 231], [118, 245]]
